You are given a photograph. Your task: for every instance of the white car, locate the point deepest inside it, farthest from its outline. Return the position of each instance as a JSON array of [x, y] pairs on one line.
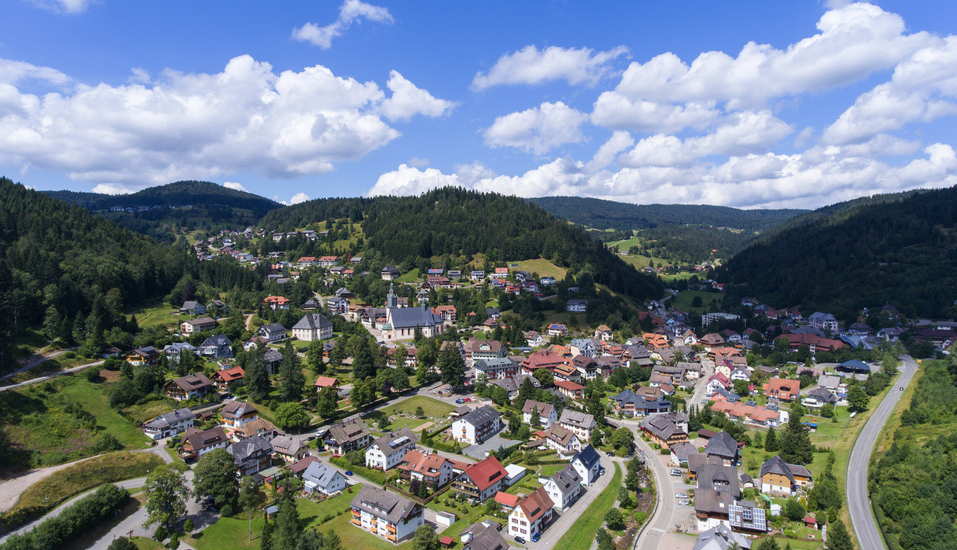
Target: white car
[[684, 503], [676, 472], [681, 495]]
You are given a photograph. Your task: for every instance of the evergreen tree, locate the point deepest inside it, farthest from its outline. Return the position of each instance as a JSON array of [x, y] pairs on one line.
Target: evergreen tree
[[837, 536], [769, 543], [771, 441], [328, 402], [525, 392], [452, 367], [293, 381], [535, 420], [215, 475], [287, 524], [363, 364], [857, 399], [257, 379], [314, 357], [266, 539], [796, 447]]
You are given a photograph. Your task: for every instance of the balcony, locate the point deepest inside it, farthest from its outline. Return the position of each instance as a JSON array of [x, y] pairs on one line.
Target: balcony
[[355, 521]]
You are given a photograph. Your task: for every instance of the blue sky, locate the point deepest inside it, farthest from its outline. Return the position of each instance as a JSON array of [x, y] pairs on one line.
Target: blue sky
[[749, 104]]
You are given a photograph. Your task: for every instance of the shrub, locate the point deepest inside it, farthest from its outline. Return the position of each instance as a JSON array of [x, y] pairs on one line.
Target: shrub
[[160, 534], [188, 526], [93, 375], [174, 542]]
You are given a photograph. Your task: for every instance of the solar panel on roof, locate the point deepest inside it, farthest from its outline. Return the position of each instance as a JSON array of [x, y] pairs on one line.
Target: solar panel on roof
[[400, 441]]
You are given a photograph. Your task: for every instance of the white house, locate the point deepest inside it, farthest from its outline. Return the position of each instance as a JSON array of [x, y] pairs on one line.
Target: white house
[[323, 478], [477, 426], [563, 487], [312, 326], [587, 463], [576, 305], [273, 332], [823, 321], [169, 424], [565, 442], [580, 424], [531, 514], [388, 451], [546, 413], [385, 514]]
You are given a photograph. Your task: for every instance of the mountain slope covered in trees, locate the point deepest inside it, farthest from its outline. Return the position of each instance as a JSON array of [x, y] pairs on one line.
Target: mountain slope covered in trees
[[900, 251], [457, 222]]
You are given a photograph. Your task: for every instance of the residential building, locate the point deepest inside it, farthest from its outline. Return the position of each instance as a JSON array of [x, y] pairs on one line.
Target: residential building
[[782, 389], [192, 386], [604, 333], [680, 453], [217, 347], [513, 383], [477, 350], [389, 273], [312, 327], [556, 329], [323, 478], [627, 403], [531, 515], [290, 449], [563, 487], [823, 321], [386, 514], [818, 397], [192, 307], [711, 318], [273, 332], [570, 389], [144, 356], [783, 479], [276, 302], [169, 424], [431, 469], [663, 431], [546, 413], [723, 446], [576, 305], [722, 537], [477, 426], [251, 455], [533, 339], [260, 427], [348, 435], [580, 424], [482, 479], [193, 326], [223, 378], [587, 462], [564, 441], [388, 451], [197, 443], [326, 382], [495, 369], [237, 413]]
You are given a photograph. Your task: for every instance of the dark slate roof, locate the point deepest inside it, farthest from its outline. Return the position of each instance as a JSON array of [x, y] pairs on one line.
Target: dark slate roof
[[576, 418], [320, 474], [312, 321], [718, 477], [722, 445], [683, 450], [383, 504], [777, 465], [172, 417], [411, 317], [588, 456], [218, 340], [627, 396], [249, 447], [481, 416], [567, 479], [274, 327], [271, 356], [661, 427]]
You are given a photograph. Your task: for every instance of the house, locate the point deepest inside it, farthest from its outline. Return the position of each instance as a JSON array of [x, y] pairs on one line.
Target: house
[[567, 373], [717, 489], [477, 426], [830, 382], [587, 462], [781, 478], [273, 359], [251, 455], [169, 424], [531, 515], [576, 305], [260, 427], [217, 347], [495, 369], [192, 386], [722, 537], [853, 366], [447, 312], [823, 321], [386, 514], [193, 326], [172, 351], [563, 487], [586, 367], [604, 333], [482, 479], [818, 397], [223, 378], [337, 306], [290, 449], [533, 339], [312, 327], [782, 389], [323, 478], [327, 261], [326, 382], [546, 413], [273, 332], [431, 469], [348, 435], [556, 329], [506, 501], [663, 431], [583, 346], [564, 441], [144, 356], [570, 389], [276, 302], [580, 424], [478, 350], [513, 383], [389, 273], [723, 446], [680, 453], [740, 374], [192, 307], [717, 382], [627, 403], [237, 413], [388, 451], [197, 443]]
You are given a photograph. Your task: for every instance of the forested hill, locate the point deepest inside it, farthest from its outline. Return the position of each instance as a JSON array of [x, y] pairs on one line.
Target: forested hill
[[84, 267], [463, 223], [901, 252], [196, 193], [602, 214]]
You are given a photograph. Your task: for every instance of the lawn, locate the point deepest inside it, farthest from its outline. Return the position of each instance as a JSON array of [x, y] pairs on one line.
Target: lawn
[[151, 409], [432, 408], [409, 277], [795, 544], [582, 533], [463, 518], [543, 267], [641, 262], [143, 543], [93, 398], [158, 315], [683, 300]]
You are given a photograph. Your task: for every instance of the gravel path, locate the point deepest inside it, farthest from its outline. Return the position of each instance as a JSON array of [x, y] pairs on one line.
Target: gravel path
[[11, 490]]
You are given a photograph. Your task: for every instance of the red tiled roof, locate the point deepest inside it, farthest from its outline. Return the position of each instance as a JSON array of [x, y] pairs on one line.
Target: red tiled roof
[[483, 474], [506, 499]]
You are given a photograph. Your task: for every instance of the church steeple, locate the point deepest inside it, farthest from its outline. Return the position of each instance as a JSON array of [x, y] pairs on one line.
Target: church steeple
[[390, 300]]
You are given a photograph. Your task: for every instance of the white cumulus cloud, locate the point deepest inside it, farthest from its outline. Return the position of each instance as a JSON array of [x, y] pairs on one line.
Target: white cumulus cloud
[[349, 12], [533, 66], [63, 6], [115, 189], [537, 130], [199, 126], [407, 100], [234, 186], [298, 198]]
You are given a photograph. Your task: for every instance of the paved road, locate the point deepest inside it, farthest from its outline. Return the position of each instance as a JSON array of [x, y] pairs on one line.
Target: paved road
[[35, 360], [42, 378], [859, 506]]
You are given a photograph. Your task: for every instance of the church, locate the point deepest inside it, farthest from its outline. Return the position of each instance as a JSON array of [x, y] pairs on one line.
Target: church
[[401, 322]]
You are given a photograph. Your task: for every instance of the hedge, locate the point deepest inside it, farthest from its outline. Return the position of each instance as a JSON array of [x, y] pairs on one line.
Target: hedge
[[72, 522], [374, 476]]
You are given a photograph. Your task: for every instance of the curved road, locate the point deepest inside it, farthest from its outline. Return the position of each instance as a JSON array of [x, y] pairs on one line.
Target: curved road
[[859, 506]]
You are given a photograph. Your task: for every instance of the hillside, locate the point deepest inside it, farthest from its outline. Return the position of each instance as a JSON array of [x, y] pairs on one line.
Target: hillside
[[901, 251], [458, 223], [212, 207], [602, 214], [72, 270]]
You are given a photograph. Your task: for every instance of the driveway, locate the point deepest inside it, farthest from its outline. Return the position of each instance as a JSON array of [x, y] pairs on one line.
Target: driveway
[[478, 451]]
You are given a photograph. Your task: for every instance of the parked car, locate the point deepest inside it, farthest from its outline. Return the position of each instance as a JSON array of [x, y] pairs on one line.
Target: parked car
[[520, 540], [675, 472], [535, 537], [681, 495], [348, 472], [684, 503]]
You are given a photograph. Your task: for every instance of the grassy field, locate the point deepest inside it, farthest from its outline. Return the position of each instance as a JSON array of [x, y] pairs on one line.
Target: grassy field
[[431, 407], [93, 397], [158, 315], [893, 423], [150, 410], [102, 529], [143, 543], [76, 479], [684, 299], [543, 267], [409, 277], [582, 533]]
